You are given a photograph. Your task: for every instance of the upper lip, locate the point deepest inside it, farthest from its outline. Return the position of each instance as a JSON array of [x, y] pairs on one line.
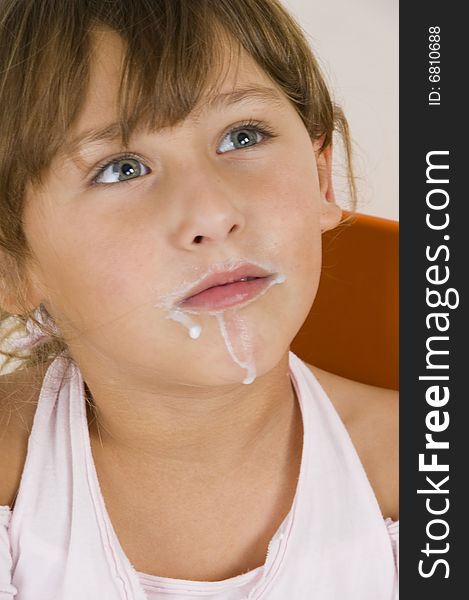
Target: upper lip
[[227, 276]]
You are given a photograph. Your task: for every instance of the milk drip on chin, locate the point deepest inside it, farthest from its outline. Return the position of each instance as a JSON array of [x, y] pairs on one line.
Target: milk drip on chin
[[232, 326]]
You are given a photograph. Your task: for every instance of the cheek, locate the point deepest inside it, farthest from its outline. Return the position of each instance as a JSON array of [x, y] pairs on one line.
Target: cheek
[[292, 214], [283, 225], [292, 186], [86, 270], [299, 224]]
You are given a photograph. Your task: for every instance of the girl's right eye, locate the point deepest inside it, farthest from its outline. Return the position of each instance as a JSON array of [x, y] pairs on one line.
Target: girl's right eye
[[119, 170]]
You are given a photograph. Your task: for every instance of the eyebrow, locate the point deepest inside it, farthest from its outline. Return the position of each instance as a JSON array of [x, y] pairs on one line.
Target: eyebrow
[[111, 131]]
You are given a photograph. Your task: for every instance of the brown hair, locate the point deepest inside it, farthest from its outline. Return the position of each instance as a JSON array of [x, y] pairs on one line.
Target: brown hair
[[171, 49]]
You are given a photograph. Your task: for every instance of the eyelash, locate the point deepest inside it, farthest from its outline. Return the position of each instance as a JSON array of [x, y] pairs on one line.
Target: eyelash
[[259, 126]]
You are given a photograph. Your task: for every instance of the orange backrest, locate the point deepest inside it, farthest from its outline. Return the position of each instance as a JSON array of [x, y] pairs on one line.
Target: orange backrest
[[353, 326]]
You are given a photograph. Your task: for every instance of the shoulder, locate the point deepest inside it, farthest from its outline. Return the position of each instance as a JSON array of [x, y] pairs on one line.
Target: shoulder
[[371, 417], [19, 393]]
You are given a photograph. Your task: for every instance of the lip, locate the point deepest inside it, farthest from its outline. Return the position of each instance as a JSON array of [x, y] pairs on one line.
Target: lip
[[228, 294], [230, 275]]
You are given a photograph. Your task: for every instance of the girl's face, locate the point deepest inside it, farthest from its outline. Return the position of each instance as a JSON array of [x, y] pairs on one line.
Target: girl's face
[[111, 247]]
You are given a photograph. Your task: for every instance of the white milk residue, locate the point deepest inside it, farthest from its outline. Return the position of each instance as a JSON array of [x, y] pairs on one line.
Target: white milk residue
[[248, 363], [180, 316], [233, 328]]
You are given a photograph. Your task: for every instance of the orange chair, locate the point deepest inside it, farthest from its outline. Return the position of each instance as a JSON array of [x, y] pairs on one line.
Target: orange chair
[[353, 326]]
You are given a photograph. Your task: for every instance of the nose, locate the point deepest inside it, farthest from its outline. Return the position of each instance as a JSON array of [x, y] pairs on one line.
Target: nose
[[207, 211]]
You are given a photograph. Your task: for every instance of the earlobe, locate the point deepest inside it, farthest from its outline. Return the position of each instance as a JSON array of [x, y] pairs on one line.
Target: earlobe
[[331, 213]]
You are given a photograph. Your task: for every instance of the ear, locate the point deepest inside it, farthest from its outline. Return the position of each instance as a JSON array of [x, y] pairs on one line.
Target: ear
[[331, 213]]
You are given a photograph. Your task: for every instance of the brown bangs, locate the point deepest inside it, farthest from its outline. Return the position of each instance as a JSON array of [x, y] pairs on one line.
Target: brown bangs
[[173, 50]]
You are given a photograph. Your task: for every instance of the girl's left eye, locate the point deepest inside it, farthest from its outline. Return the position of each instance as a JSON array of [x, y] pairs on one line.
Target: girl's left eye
[[242, 135], [126, 168]]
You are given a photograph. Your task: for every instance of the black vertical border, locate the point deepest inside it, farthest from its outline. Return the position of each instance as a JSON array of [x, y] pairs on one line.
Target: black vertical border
[[422, 129]]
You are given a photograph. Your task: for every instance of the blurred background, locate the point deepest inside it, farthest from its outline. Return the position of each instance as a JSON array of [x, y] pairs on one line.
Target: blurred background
[[357, 44]]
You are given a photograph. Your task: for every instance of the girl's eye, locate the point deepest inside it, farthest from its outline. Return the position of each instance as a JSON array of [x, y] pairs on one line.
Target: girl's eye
[[126, 168], [245, 135], [120, 169]]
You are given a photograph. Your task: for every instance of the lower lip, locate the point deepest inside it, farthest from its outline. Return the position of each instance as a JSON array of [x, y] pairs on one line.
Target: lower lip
[[225, 296]]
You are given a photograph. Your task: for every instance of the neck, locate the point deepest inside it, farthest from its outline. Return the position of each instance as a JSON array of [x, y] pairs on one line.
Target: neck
[[217, 429]]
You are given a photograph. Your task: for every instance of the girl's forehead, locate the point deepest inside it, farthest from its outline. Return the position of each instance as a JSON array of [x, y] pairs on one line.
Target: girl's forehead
[[236, 75], [232, 64]]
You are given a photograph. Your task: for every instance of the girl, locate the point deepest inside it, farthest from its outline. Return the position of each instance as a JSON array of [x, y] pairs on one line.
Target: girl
[[165, 180]]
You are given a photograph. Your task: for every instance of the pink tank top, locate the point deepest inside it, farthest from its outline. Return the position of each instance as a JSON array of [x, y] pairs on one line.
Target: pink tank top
[[59, 543]]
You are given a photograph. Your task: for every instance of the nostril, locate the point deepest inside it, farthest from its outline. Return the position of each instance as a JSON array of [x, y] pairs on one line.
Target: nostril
[[198, 239]]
